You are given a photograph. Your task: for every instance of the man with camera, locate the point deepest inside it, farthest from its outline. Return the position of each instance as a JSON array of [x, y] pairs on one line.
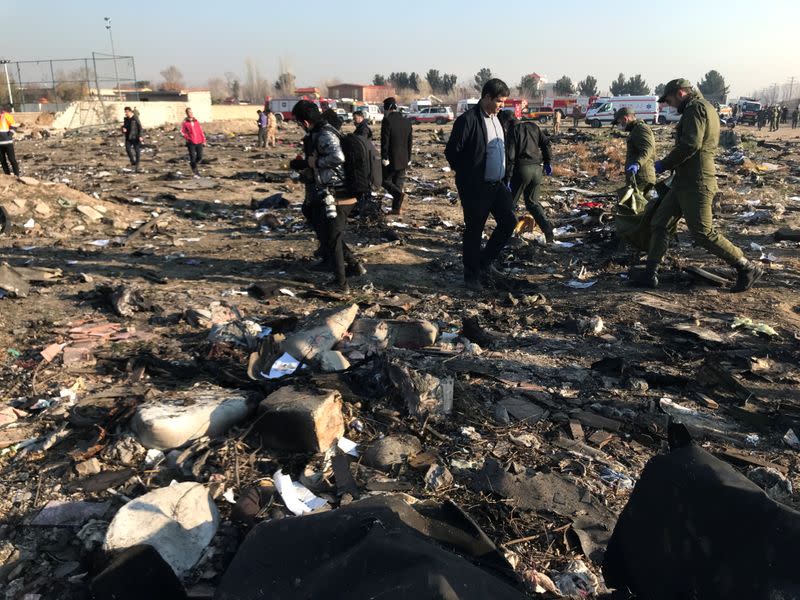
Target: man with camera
[[328, 203]]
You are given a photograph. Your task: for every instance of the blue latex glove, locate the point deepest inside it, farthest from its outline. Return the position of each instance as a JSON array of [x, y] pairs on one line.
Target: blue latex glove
[[659, 167], [633, 169], [508, 185], [548, 170]]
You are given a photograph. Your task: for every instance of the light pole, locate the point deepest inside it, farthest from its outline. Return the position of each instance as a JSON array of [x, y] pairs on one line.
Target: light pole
[[4, 62], [113, 52]]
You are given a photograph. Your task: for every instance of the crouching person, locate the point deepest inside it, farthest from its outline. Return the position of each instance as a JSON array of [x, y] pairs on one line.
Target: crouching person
[[328, 194]]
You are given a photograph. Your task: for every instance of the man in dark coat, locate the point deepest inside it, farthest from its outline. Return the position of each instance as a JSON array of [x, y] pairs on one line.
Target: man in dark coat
[[396, 139], [476, 151]]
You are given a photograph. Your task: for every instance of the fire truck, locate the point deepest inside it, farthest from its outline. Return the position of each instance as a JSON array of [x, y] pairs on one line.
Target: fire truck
[[516, 105], [565, 104]]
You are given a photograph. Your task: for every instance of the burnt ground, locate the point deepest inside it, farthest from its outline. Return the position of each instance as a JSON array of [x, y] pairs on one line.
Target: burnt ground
[[738, 386]]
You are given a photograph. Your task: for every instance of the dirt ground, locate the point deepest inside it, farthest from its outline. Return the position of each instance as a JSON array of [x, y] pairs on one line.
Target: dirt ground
[[738, 386]]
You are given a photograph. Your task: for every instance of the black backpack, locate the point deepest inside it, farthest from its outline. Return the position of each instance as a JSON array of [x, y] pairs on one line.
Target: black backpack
[[362, 164]]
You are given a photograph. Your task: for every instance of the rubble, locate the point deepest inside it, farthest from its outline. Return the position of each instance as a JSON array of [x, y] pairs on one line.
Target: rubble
[[180, 418], [301, 420], [178, 521], [535, 406]]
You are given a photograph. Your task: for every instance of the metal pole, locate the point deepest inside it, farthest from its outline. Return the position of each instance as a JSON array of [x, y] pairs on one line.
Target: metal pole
[[20, 87], [113, 52], [8, 84], [135, 82], [53, 81]]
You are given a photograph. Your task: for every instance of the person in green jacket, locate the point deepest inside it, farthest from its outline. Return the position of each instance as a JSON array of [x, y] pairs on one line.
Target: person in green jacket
[[693, 187], [641, 153]]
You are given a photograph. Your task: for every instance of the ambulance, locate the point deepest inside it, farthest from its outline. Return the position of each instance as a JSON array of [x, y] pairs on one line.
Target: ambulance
[[603, 109]]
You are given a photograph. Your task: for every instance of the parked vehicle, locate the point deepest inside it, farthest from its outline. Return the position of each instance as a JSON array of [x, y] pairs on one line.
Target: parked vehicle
[[282, 107], [345, 116], [602, 111], [466, 104], [372, 113], [432, 114], [517, 105], [667, 114], [565, 104], [542, 114], [748, 110], [418, 105]]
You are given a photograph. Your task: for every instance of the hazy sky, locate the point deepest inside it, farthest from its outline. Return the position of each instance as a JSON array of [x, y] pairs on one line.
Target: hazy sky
[[753, 44]]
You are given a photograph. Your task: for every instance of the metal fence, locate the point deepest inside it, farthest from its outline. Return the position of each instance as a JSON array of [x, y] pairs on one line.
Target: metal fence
[[61, 81]]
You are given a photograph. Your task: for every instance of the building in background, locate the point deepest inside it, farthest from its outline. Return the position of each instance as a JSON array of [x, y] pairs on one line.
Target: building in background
[[362, 93]]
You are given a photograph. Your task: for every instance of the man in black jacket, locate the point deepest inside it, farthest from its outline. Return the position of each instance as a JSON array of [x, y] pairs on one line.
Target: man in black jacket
[[396, 139], [330, 203], [132, 130], [362, 127], [528, 149], [476, 152]]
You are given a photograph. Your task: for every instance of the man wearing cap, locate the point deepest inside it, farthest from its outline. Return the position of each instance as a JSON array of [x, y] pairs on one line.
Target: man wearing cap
[[693, 187], [641, 153], [396, 139]]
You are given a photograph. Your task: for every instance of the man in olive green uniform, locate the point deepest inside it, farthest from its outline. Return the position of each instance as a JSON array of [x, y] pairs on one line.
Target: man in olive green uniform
[[641, 154], [693, 187]]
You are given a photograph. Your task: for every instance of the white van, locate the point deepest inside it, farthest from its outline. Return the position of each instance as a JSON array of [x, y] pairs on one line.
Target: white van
[[371, 112], [668, 114], [464, 105], [603, 109]]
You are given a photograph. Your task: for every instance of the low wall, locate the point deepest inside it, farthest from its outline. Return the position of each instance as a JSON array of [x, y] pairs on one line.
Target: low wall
[[233, 112], [151, 114]]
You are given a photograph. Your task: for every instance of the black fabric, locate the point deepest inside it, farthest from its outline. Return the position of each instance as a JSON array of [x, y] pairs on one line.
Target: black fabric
[[526, 183], [466, 149], [695, 528], [482, 200], [195, 154], [136, 573], [396, 139], [526, 144], [363, 129], [376, 548], [133, 128], [134, 150], [393, 181], [332, 241], [362, 165], [8, 159]]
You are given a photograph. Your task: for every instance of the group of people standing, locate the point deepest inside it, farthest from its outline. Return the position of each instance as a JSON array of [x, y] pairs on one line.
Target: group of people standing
[[775, 115], [494, 164], [267, 127]]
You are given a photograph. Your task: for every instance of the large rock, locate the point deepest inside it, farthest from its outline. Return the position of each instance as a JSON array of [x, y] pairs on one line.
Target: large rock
[[392, 450], [12, 282], [379, 333], [183, 417], [179, 521], [322, 331], [303, 420]]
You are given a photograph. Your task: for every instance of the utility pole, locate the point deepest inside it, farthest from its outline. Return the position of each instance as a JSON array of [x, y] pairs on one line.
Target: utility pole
[[4, 62], [791, 88], [113, 53]]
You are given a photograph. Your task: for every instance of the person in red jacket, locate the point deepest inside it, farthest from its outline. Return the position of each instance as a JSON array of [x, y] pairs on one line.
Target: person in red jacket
[[192, 132]]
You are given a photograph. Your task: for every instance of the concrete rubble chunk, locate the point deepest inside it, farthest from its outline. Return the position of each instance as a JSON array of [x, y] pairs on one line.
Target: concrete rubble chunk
[[423, 393], [12, 282], [392, 450], [60, 514], [302, 420], [332, 361], [322, 331], [179, 418], [179, 521], [380, 333], [89, 212]]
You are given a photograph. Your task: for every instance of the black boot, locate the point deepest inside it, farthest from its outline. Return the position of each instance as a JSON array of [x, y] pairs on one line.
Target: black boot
[[746, 275], [648, 277]]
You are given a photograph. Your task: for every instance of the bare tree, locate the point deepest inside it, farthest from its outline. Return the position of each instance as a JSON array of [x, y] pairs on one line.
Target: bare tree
[[173, 79]]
